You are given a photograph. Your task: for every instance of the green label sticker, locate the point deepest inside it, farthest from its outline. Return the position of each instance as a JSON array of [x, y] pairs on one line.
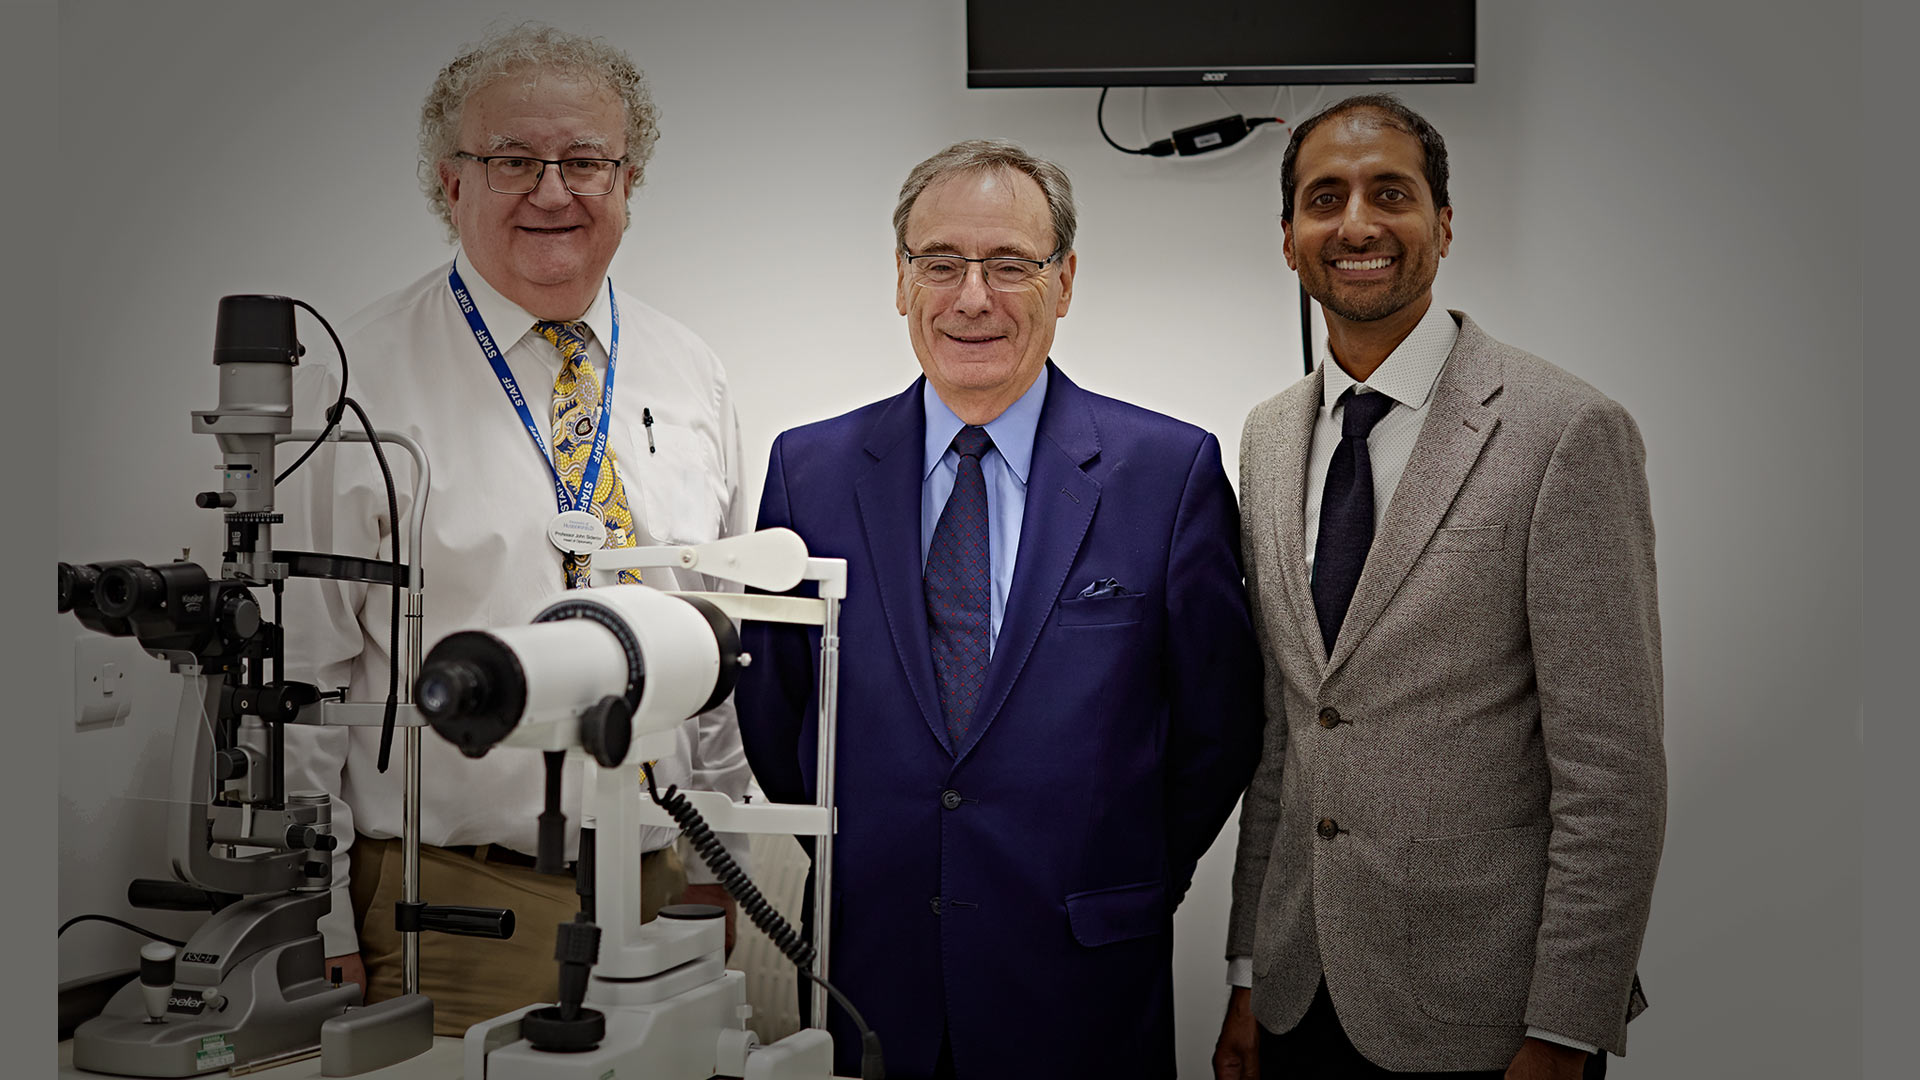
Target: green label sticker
[[215, 1053]]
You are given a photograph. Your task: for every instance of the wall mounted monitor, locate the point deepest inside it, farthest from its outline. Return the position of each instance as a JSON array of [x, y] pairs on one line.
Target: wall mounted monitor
[[1217, 42]]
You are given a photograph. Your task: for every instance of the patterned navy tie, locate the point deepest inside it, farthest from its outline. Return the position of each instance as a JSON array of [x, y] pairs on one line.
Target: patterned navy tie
[[958, 578], [1346, 514]]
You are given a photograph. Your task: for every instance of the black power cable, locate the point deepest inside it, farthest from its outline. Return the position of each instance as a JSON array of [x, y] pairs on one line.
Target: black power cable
[[762, 913], [1163, 148], [393, 543], [1202, 138], [339, 405], [334, 413], [123, 924]]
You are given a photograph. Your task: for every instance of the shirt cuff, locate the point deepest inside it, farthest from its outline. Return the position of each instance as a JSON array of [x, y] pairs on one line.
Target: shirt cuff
[[1240, 971], [1548, 1036]]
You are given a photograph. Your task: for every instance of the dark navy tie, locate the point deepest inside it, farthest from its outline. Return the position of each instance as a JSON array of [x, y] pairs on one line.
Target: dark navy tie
[[1346, 514], [959, 576]]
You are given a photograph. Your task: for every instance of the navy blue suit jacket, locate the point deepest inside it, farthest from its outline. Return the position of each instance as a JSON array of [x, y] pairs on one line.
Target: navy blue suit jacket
[[1020, 891]]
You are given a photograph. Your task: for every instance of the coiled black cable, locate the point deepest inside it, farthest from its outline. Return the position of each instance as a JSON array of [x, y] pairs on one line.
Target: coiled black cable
[[762, 913]]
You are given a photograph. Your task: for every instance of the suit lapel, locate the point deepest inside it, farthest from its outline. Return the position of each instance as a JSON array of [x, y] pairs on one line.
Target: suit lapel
[[1061, 499], [1293, 443], [888, 496], [1449, 443]]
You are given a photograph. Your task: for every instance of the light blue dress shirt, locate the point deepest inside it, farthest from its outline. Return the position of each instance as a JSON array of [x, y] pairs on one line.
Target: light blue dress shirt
[[1005, 469]]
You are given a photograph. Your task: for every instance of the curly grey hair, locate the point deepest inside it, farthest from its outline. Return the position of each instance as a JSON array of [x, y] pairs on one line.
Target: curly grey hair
[[536, 48], [991, 155]]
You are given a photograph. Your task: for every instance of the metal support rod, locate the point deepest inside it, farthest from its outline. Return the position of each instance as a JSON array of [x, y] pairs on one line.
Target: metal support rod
[[277, 732], [415, 609], [410, 801], [823, 787]]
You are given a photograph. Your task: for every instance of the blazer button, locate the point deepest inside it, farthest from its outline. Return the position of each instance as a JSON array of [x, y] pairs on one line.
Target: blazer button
[[950, 799], [1329, 718], [1328, 829], [934, 903]]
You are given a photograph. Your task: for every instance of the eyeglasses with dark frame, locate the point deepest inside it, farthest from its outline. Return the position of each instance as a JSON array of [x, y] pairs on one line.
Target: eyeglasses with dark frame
[[1002, 273], [518, 174]]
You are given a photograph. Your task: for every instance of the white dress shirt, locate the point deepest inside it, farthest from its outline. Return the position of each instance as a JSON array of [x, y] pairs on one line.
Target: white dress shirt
[[415, 367], [1408, 376]]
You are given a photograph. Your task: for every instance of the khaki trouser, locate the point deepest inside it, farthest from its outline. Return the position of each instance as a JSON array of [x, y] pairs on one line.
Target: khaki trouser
[[474, 979]]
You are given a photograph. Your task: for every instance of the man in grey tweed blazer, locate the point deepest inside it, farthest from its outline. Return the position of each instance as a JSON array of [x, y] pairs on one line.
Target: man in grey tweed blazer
[[1447, 854]]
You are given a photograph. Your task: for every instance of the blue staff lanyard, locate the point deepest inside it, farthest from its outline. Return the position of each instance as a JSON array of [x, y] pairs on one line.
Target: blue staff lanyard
[[568, 500]]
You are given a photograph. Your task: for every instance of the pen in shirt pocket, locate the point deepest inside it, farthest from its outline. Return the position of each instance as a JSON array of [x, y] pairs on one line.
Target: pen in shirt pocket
[[646, 421]]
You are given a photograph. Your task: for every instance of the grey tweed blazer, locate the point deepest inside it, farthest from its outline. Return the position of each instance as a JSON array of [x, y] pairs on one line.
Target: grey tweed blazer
[[1458, 814]]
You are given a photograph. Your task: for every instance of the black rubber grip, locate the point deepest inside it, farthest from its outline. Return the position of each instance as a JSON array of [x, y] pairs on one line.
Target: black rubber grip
[[467, 921], [156, 972], [158, 895]]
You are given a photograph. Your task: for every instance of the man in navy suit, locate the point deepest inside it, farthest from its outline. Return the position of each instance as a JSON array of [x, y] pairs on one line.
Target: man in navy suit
[[1049, 692]]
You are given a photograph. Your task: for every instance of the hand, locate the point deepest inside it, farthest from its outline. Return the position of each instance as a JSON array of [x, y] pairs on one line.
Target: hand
[[1237, 1055], [1542, 1060], [717, 895], [352, 970]]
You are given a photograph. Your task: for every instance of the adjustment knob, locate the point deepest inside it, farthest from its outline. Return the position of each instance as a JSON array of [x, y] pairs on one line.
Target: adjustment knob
[[239, 615], [214, 500], [606, 730]]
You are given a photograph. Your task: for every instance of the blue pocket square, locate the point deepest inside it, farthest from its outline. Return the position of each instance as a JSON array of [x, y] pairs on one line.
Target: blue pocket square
[[1105, 587]]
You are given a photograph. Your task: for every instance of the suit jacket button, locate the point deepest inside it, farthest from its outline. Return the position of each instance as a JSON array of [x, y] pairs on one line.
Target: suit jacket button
[[950, 799], [934, 903], [1329, 718], [1328, 829]]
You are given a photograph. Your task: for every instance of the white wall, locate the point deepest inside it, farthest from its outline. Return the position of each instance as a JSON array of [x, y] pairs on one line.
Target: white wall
[[1639, 197]]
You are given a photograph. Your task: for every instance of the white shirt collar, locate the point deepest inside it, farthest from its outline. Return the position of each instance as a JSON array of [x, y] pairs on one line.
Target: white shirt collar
[[508, 322], [1410, 371]]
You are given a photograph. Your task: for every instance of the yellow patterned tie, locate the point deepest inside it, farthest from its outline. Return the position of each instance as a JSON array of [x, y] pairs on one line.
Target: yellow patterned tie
[[576, 408]]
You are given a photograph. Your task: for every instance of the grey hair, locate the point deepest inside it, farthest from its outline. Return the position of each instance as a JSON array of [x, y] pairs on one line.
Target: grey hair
[[991, 155], [531, 48]]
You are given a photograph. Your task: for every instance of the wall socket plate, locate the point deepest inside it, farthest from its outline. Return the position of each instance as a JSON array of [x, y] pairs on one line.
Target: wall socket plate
[[102, 690]]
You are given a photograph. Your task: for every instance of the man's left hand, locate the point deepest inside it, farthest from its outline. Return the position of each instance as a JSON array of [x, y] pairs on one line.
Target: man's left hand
[[717, 895], [1542, 1060]]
